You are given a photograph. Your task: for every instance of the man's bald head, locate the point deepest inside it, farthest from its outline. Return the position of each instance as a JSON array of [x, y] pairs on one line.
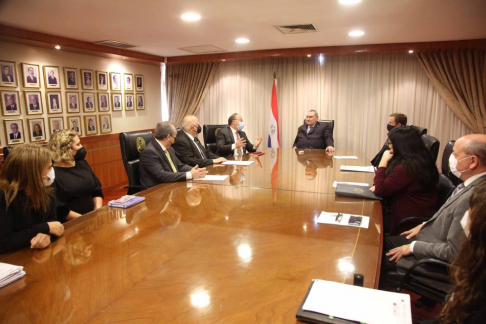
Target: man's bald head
[[470, 153], [474, 144], [190, 125]]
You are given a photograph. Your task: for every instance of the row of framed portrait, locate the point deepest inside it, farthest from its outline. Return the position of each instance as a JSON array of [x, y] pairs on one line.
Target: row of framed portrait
[[37, 131], [88, 101], [73, 78]]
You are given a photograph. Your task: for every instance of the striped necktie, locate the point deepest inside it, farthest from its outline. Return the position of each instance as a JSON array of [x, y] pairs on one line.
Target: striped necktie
[[170, 161]]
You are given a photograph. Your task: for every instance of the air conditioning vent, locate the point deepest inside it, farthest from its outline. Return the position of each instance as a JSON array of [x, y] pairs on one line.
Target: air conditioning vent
[[297, 29], [202, 49], [114, 43]]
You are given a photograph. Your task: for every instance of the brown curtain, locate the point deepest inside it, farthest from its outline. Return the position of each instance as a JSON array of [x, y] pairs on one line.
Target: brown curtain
[[187, 85], [460, 79]]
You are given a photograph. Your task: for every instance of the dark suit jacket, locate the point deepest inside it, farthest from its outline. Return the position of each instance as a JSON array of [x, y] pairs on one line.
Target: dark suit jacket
[[91, 128], [89, 104], [18, 137], [187, 152], [225, 139], [31, 79], [5, 78], [34, 108], [319, 137], [155, 167], [376, 160], [52, 80], [11, 108]]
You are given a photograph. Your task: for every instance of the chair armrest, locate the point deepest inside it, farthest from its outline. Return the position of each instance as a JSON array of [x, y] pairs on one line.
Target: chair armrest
[[410, 222], [419, 263]]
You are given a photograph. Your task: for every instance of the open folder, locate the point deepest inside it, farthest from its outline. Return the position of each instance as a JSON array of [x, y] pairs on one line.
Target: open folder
[[332, 302]]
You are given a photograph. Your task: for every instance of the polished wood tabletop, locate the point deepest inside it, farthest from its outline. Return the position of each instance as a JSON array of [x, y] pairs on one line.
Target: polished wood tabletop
[[199, 253]]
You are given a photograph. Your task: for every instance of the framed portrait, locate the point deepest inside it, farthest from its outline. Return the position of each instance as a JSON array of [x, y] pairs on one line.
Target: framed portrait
[[71, 78], [9, 74], [129, 101], [115, 81], [74, 123], [54, 102], [87, 77], [72, 100], [31, 75], [103, 102], [11, 103], [102, 80], [90, 125], [52, 78], [33, 102], [37, 129], [140, 101], [56, 124], [138, 82], [128, 80], [105, 123], [89, 103], [14, 131], [116, 101]]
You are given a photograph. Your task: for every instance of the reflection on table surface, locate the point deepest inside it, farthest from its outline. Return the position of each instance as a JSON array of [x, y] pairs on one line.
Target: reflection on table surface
[[198, 253]]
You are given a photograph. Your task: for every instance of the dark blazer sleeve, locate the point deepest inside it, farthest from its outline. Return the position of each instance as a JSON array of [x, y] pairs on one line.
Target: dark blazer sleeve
[[155, 169], [187, 152], [249, 147], [392, 184], [328, 136], [224, 142], [181, 167]]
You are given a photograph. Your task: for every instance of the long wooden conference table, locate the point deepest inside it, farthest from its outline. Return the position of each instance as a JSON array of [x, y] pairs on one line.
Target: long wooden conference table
[[242, 250]]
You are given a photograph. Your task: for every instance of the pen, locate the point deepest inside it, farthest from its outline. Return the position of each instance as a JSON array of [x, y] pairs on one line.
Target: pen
[[339, 217]]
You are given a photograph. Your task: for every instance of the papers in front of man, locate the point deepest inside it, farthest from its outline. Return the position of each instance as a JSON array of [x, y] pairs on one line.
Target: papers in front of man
[[211, 177], [345, 157], [362, 184], [231, 162], [353, 303], [356, 168], [344, 219], [9, 273]]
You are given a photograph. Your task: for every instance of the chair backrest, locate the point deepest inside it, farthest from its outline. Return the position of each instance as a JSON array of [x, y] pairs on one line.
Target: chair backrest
[[445, 187], [432, 145], [209, 134], [445, 163], [327, 121], [6, 151], [131, 145], [420, 130]]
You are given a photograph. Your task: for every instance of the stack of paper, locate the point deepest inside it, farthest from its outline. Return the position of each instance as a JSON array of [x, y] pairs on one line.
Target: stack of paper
[[355, 168], [9, 273], [343, 219], [345, 157], [231, 162]]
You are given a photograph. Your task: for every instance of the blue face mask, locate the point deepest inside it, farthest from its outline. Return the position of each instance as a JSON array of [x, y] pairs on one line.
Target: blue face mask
[[241, 125]]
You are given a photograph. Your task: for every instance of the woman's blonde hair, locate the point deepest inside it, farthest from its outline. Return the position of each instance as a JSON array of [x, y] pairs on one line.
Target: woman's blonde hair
[[60, 145], [23, 171]]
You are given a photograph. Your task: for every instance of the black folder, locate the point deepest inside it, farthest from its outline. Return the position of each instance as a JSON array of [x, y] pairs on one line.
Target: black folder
[[354, 191], [318, 318]]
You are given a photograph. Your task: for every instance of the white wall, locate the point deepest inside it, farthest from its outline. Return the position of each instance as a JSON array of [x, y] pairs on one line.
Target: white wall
[[121, 120]]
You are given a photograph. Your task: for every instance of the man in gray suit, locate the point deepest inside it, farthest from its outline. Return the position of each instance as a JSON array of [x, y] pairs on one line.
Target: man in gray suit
[[441, 236]]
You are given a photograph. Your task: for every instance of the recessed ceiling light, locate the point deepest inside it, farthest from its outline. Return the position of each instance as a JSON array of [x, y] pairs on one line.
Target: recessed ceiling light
[[410, 51], [308, 55], [349, 2], [57, 47], [191, 16], [356, 33], [242, 40], [223, 60]]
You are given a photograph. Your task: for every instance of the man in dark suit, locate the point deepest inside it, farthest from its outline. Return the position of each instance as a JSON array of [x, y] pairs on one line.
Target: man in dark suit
[[71, 79], [31, 78], [232, 141], [52, 80], [314, 135], [34, 105], [117, 102], [158, 162], [72, 102], [11, 104], [15, 134], [89, 103], [75, 126], [189, 149], [91, 126], [6, 75], [441, 236], [394, 120], [129, 102]]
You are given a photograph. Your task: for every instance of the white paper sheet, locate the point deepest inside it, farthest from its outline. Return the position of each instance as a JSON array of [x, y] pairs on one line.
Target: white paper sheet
[[330, 218], [356, 168], [345, 157], [211, 177], [231, 162], [335, 183], [9, 273], [358, 304]]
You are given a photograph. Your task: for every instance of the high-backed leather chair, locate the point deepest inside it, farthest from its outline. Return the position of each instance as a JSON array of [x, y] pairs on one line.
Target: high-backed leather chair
[[6, 151], [132, 144], [327, 121], [420, 130], [432, 145], [445, 163], [209, 134]]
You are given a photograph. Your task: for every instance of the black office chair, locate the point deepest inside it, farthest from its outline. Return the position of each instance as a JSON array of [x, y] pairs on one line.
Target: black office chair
[[420, 130], [432, 145], [327, 121], [132, 144], [6, 151], [209, 134], [445, 163]]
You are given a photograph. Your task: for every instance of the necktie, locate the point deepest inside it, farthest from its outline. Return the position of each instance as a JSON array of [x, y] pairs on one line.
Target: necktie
[[309, 128], [239, 150], [458, 189], [199, 147], [170, 161]]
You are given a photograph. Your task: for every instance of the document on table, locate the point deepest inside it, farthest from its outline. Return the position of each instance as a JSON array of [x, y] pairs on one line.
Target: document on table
[[370, 168], [9, 273], [358, 304], [345, 157], [211, 177], [344, 219], [231, 162], [335, 183]]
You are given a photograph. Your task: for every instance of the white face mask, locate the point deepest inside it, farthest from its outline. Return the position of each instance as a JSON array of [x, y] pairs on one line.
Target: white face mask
[[241, 125], [50, 178], [453, 164], [465, 223]]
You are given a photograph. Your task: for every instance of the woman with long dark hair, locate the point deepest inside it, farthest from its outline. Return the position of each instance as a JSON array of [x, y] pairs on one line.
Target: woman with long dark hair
[[407, 175], [27, 203], [466, 303]]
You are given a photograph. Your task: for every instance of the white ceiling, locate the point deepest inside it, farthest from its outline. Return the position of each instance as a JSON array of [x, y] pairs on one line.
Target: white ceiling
[[155, 25]]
